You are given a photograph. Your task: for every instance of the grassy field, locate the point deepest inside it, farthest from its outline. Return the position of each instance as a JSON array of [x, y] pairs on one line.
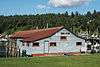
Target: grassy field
[[62, 61]]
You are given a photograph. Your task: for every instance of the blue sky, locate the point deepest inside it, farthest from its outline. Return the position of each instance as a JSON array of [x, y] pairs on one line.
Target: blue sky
[[12, 7]]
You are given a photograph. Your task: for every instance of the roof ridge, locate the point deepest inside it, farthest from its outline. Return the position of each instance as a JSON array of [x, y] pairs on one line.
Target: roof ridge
[[37, 30]]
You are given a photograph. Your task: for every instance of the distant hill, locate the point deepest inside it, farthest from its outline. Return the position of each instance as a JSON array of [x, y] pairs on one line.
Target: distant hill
[[75, 22]]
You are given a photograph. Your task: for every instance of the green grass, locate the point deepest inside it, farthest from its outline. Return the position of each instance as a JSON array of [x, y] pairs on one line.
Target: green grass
[[62, 61]]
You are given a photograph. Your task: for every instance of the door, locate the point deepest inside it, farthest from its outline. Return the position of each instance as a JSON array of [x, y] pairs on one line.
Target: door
[[46, 47], [24, 53]]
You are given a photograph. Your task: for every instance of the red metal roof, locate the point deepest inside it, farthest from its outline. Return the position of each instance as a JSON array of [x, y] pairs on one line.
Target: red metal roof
[[38, 34]]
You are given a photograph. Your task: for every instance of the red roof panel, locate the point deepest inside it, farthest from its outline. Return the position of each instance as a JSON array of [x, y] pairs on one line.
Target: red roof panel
[[34, 35]]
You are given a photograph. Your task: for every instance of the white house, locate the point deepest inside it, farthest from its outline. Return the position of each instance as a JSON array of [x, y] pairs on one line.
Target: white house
[[57, 40]]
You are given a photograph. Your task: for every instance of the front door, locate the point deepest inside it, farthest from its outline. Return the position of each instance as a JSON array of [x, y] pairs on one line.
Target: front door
[[46, 47]]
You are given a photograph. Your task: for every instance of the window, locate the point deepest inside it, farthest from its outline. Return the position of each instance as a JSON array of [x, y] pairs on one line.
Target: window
[[63, 38], [78, 43], [68, 33], [53, 44], [63, 33], [23, 44], [35, 44]]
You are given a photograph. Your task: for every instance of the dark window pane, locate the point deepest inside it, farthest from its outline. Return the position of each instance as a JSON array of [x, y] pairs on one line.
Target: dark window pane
[[63, 38], [78, 43], [52, 43], [23, 44], [35, 44], [62, 33]]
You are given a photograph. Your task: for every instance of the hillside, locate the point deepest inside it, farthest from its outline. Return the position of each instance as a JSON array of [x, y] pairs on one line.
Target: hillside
[[75, 22]]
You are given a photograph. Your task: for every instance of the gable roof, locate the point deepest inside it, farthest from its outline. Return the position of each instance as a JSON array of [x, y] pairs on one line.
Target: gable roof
[[38, 34]]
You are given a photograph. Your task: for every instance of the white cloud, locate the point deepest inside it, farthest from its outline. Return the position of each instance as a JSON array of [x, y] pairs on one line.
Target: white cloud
[[41, 6], [67, 3]]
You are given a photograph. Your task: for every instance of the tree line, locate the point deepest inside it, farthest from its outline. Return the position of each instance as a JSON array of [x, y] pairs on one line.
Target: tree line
[[75, 22]]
